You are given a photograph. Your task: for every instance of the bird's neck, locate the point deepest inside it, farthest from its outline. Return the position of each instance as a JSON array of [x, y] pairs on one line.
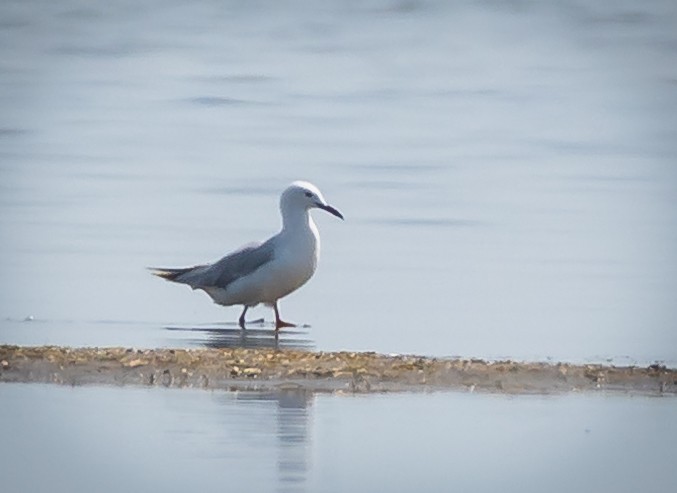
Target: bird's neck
[[303, 239], [297, 221]]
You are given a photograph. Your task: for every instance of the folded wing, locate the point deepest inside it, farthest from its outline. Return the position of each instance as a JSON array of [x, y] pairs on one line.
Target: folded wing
[[220, 274]]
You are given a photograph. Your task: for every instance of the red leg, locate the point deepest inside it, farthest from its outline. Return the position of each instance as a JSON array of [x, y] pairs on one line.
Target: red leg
[[279, 323]]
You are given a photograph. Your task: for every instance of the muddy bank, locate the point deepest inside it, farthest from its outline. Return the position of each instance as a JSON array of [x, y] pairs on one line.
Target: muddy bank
[[266, 369]]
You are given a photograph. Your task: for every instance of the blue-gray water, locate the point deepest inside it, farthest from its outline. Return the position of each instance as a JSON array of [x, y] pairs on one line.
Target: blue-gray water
[[508, 171], [111, 439]]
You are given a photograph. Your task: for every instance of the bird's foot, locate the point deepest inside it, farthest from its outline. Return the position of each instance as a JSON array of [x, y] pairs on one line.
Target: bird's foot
[[280, 324]]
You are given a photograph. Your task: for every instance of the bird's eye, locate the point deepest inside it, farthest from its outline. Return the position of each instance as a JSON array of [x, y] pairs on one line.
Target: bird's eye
[[309, 194]]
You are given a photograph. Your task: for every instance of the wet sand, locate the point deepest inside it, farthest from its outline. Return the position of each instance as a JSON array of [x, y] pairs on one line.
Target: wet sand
[[269, 369]]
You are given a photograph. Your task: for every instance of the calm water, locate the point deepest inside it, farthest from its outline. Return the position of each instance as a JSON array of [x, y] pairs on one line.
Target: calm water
[[185, 440], [508, 171]]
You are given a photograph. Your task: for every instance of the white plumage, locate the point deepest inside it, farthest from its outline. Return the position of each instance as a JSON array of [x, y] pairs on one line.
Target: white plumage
[[264, 272]]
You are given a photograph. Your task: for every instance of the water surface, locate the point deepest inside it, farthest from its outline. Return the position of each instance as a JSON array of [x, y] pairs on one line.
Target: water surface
[[178, 440], [507, 171]]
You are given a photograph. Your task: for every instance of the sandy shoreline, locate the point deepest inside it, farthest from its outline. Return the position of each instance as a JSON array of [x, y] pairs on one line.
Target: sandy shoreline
[[270, 369]]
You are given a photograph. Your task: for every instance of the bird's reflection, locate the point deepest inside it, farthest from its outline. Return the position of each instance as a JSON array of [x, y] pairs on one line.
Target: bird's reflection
[[291, 404], [292, 411], [231, 336]]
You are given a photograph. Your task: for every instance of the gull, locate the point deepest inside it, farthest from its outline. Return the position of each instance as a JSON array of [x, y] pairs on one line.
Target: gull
[[264, 272]]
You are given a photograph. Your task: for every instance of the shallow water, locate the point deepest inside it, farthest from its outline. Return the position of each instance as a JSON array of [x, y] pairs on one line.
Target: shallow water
[[179, 440], [507, 171]]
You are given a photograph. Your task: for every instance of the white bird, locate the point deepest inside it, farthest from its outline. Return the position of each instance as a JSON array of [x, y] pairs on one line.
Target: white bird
[[264, 272]]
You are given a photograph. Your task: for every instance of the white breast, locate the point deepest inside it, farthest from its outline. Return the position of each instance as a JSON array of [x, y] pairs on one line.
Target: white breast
[[294, 262]]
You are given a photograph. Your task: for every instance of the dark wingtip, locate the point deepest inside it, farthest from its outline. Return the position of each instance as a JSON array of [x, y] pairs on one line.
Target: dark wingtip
[[167, 274]]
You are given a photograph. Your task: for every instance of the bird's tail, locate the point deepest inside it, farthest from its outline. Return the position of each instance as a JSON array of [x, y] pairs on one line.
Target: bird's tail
[[170, 274]]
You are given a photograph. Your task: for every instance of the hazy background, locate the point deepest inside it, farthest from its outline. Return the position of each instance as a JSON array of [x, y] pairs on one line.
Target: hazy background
[[507, 171]]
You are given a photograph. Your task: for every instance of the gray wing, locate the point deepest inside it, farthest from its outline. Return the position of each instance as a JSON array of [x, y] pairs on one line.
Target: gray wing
[[233, 266]]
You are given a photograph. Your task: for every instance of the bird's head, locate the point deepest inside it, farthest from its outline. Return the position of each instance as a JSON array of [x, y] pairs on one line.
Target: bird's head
[[304, 195]]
